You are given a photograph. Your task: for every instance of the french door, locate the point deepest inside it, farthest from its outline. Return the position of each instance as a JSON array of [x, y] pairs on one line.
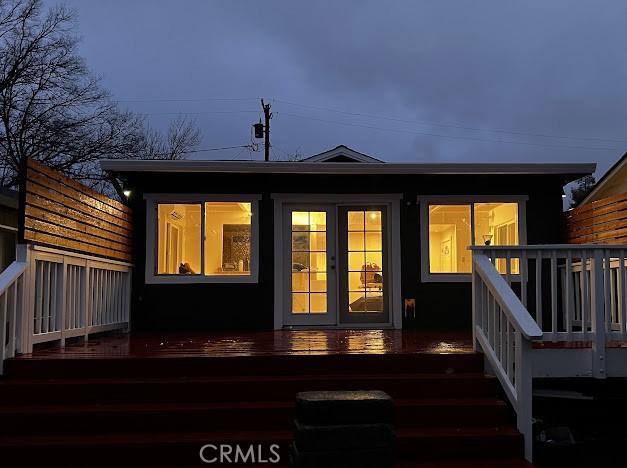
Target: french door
[[335, 265]]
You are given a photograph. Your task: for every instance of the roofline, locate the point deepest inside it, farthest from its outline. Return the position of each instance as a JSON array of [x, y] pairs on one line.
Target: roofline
[[615, 168], [276, 167]]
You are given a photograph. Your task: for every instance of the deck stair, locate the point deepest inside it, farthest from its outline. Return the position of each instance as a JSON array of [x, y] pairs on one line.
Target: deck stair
[[158, 411]]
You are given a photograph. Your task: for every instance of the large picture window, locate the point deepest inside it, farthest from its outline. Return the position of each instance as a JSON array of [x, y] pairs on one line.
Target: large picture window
[[202, 241], [452, 226]]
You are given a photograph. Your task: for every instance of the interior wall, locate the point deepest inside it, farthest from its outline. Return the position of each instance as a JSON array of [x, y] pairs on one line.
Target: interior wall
[[214, 237]]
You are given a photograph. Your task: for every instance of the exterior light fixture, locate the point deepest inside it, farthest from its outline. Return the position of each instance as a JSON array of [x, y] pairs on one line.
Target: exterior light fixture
[[127, 193]]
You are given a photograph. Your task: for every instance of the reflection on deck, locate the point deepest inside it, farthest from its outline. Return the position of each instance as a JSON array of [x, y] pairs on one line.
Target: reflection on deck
[[284, 342]]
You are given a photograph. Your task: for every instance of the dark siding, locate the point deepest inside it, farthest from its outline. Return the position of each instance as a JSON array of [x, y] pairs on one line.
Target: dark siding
[[250, 306]]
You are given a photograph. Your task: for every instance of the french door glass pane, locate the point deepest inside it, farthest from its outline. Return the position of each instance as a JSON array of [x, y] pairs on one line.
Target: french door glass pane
[[365, 261], [309, 262]]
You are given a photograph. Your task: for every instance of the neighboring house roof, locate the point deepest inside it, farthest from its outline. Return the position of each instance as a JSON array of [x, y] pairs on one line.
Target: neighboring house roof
[[613, 182], [342, 154], [8, 198]]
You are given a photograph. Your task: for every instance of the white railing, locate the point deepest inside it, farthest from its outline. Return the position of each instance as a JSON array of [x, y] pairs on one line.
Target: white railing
[[11, 288], [505, 330], [549, 294], [51, 295], [70, 295], [573, 292]]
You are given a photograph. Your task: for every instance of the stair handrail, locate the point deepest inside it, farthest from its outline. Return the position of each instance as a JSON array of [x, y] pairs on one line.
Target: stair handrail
[[11, 284], [504, 330]]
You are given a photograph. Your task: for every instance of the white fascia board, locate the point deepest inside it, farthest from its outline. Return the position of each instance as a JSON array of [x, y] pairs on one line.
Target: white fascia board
[[263, 167]]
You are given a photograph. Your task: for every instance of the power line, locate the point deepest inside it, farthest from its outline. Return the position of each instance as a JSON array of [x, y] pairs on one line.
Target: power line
[[200, 112], [216, 149], [439, 124], [398, 130], [184, 99]]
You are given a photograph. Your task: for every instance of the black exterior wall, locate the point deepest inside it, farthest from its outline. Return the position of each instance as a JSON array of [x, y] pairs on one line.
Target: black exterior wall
[[250, 306]]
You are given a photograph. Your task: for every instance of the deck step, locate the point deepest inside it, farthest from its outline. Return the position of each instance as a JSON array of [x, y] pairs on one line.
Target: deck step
[[182, 448], [207, 366], [263, 388], [243, 416], [152, 411]]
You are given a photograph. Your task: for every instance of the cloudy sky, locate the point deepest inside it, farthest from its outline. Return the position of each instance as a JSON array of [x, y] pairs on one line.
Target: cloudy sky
[[399, 80]]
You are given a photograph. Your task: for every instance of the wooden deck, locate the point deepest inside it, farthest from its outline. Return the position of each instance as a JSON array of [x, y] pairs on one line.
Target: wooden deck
[[262, 343]]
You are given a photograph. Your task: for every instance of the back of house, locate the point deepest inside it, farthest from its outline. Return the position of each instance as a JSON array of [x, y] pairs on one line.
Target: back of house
[[340, 239]]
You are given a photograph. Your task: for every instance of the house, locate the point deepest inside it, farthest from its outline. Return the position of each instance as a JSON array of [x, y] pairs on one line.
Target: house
[[613, 182], [339, 239], [446, 285]]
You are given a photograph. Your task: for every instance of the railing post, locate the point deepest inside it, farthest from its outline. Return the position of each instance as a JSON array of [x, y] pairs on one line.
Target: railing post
[[25, 254], [476, 307], [61, 299], [597, 315], [86, 296], [524, 392]]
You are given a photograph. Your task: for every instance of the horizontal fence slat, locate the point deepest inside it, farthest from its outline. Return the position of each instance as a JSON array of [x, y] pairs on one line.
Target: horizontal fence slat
[[46, 239], [599, 227], [601, 222], [579, 222], [60, 231], [34, 188], [600, 204], [77, 196], [40, 203], [77, 186], [62, 221]]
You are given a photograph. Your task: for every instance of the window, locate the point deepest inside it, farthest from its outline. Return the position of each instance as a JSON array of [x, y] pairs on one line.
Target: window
[[227, 238], [449, 235], [179, 239], [497, 224], [202, 241], [451, 225]]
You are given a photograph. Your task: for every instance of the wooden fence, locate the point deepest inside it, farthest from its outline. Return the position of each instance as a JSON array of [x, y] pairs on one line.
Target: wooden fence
[[62, 213], [601, 222]]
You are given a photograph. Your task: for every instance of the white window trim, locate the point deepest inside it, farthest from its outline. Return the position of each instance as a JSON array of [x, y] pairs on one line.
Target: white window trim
[[152, 199], [424, 201]]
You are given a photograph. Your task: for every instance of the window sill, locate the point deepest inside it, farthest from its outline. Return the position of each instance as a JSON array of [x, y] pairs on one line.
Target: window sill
[[459, 278], [197, 279]]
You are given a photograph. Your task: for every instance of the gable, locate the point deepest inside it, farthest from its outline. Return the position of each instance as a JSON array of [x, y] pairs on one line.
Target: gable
[[342, 154]]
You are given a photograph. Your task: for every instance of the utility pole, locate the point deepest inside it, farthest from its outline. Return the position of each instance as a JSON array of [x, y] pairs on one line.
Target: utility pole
[[266, 128]]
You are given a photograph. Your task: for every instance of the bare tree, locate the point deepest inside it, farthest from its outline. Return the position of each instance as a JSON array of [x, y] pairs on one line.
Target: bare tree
[[182, 136], [54, 110], [581, 191]]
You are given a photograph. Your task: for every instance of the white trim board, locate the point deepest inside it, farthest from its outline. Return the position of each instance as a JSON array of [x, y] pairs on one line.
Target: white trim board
[[279, 167]]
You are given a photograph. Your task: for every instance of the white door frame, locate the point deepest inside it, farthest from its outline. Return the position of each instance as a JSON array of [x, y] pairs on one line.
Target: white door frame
[[391, 200]]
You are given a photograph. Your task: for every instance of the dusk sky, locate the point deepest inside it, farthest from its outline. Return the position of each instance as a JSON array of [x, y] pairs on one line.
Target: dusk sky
[[404, 81]]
